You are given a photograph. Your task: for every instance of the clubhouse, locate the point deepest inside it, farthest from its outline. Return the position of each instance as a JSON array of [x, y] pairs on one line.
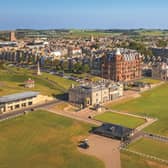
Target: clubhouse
[[17, 101]]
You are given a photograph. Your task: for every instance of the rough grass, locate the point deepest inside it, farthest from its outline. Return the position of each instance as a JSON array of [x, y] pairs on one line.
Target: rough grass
[[44, 140], [151, 147], [124, 120], [153, 103], [12, 79]]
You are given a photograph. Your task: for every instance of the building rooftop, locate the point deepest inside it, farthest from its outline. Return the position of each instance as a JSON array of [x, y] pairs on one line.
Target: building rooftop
[[94, 86], [17, 96], [128, 54], [113, 130]]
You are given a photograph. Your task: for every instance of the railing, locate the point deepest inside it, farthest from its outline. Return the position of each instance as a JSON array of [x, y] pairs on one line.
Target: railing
[[145, 155]]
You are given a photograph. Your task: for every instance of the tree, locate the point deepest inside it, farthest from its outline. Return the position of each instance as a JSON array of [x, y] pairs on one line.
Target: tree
[[140, 48], [56, 64], [85, 68], [77, 68], [64, 65], [161, 43]]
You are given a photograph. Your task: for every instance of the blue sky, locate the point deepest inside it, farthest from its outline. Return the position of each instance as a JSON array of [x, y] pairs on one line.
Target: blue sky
[[43, 14]]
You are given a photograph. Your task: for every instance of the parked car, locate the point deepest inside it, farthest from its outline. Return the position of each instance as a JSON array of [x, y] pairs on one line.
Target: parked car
[[84, 145]]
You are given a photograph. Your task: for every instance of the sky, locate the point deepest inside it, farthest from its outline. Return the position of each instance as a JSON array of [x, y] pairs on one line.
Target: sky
[[83, 14]]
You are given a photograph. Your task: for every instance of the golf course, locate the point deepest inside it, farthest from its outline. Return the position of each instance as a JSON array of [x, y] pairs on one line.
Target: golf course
[[153, 103], [44, 140]]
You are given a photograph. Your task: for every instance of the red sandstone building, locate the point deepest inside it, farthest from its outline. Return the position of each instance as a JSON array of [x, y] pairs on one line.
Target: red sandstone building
[[123, 65]]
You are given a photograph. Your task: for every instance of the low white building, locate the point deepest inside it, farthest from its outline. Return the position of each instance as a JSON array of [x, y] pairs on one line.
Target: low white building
[[20, 101], [76, 51], [56, 54], [17, 101]]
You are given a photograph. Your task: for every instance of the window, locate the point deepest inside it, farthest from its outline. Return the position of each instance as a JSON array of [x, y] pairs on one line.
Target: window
[[23, 104], [17, 106], [30, 103]]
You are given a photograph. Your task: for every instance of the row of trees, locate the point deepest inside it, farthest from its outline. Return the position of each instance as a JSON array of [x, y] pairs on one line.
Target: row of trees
[[77, 67], [162, 43], [140, 47]]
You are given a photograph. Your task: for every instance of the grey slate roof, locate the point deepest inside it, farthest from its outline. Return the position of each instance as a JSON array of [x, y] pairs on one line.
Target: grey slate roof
[[17, 96], [113, 130]]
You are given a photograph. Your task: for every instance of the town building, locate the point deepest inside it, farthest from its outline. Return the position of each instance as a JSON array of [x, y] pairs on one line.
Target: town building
[[160, 71], [12, 36], [122, 65], [95, 93], [8, 44], [74, 52], [163, 52], [17, 101]]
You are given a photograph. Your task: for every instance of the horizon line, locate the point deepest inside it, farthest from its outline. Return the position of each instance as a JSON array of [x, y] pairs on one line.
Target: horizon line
[[84, 29]]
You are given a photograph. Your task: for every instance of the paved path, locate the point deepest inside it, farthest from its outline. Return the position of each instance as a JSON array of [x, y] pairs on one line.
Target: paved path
[[148, 120], [125, 113], [73, 116], [105, 149]]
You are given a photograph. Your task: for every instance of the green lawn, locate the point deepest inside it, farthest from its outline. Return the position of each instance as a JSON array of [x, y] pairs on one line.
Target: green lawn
[[129, 160], [128, 121], [43, 140], [151, 147], [153, 103]]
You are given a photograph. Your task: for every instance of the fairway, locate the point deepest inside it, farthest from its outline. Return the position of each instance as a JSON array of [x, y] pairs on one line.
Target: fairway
[[151, 147], [153, 103], [124, 120], [43, 140]]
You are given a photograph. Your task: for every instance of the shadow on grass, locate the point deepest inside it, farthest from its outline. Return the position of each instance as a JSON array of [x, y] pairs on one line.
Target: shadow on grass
[[63, 96]]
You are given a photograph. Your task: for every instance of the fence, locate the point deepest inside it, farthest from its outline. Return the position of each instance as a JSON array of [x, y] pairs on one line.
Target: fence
[[156, 137], [145, 155]]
